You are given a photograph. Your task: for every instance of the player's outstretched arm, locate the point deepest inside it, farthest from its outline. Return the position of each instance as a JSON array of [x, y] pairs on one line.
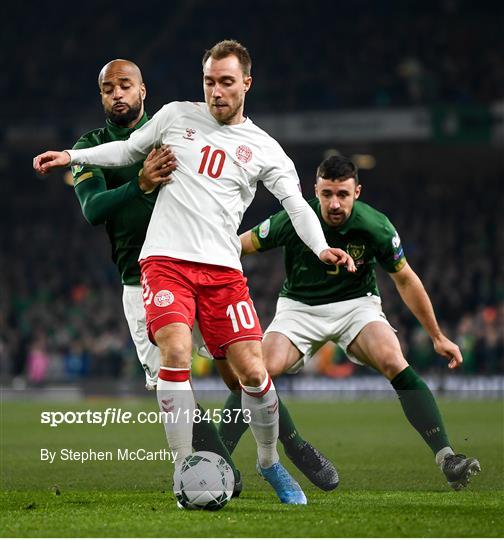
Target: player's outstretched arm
[[416, 298], [112, 154], [99, 204], [46, 162], [308, 228]]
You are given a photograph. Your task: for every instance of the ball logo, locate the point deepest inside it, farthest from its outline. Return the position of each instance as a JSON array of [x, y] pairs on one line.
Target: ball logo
[[163, 298], [244, 153]]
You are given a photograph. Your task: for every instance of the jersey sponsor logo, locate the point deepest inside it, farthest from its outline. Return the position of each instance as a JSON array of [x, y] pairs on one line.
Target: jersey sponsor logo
[[244, 153], [396, 241], [163, 298], [76, 169], [189, 134], [356, 251], [264, 228]]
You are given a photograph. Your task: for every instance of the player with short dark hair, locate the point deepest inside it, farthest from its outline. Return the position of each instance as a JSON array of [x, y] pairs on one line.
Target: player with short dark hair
[[339, 167], [190, 259], [123, 199], [319, 305]]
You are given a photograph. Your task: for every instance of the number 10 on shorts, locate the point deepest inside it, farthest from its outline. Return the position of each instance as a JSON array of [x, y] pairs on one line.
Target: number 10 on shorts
[[240, 314]]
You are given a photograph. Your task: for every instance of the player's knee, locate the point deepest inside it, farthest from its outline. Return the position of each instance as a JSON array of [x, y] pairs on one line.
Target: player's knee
[[174, 354], [253, 375], [247, 362], [392, 363], [174, 342]]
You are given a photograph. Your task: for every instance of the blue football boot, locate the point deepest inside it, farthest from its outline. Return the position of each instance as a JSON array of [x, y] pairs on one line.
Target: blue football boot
[[287, 489]]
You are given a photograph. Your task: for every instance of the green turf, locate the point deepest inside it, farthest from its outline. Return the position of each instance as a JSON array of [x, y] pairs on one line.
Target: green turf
[[389, 484]]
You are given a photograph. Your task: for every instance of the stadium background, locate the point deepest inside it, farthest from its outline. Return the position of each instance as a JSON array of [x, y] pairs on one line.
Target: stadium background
[[413, 90]]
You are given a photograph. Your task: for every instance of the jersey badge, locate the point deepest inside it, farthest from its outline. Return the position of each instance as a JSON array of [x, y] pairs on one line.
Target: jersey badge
[[356, 252], [163, 298], [264, 228], [396, 241], [76, 169], [189, 134], [244, 153]]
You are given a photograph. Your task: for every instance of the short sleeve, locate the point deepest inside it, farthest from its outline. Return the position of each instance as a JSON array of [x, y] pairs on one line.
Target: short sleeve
[[390, 253], [272, 232]]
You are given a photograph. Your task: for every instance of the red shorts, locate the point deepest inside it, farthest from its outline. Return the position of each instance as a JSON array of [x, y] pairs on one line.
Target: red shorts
[[218, 296]]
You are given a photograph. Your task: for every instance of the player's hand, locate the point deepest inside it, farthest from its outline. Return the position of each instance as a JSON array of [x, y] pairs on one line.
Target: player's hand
[[448, 349], [157, 169], [46, 162], [337, 257]]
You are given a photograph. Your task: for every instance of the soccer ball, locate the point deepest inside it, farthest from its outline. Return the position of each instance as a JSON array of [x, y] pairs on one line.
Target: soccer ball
[[205, 481]]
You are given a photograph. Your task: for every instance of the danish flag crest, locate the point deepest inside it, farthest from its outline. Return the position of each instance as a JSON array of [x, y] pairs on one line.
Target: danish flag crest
[[163, 298], [244, 153]]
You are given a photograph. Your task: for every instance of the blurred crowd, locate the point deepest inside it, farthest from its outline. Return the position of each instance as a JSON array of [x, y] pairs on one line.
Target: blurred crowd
[[315, 56], [61, 317]]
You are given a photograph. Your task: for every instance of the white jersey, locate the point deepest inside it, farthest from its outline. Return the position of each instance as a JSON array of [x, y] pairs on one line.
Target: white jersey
[[197, 215]]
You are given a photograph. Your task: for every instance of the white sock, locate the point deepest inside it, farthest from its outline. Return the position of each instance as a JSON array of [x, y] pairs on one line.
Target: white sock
[[175, 397], [446, 451], [262, 402]]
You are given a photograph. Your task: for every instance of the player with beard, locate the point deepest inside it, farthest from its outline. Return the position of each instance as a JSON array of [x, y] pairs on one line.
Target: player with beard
[[319, 305], [123, 199], [190, 259]]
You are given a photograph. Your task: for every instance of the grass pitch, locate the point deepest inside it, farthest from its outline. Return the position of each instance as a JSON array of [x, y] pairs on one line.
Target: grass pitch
[[389, 484]]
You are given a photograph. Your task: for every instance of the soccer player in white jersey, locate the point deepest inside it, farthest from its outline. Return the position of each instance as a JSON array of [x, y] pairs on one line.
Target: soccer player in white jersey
[[190, 260]]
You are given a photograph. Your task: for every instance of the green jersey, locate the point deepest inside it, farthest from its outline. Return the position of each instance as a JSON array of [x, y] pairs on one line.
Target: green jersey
[[113, 197], [367, 235]]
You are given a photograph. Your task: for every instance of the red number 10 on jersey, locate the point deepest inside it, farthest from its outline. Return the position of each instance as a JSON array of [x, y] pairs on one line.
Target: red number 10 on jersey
[[215, 164]]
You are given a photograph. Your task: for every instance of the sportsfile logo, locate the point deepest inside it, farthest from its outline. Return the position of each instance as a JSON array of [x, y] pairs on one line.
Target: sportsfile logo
[[169, 414]]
